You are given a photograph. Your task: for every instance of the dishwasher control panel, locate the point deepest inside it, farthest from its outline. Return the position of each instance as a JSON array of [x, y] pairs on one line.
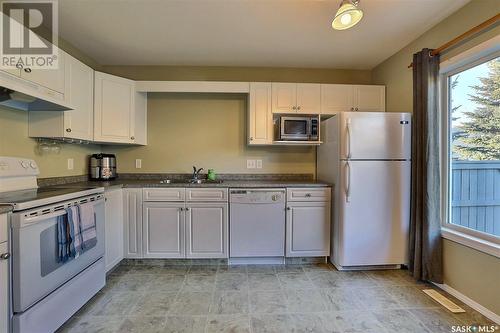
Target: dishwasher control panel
[[271, 195]]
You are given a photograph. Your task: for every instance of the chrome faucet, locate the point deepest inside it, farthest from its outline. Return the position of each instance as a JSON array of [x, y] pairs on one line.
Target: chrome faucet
[[196, 174]]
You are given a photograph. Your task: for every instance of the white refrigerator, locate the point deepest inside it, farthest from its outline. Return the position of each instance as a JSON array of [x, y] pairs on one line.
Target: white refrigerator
[[366, 155]]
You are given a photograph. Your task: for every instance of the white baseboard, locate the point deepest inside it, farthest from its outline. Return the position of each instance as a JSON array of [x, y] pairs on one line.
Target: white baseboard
[[473, 304]]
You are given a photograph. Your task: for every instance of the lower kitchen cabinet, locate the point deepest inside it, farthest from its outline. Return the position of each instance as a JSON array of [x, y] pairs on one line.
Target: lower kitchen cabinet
[[206, 230], [163, 230], [132, 221], [4, 289], [308, 229], [113, 228]]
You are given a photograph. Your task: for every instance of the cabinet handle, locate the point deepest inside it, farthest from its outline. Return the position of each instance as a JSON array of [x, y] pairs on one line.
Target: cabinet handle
[[352, 109], [4, 256], [18, 65], [288, 208], [308, 195], [132, 138], [186, 209], [27, 70], [298, 107], [181, 209], [251, 138], [68, 130], [356, 109], [294, 108]]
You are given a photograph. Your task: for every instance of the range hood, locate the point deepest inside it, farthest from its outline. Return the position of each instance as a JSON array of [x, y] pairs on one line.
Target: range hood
[[28, 102]]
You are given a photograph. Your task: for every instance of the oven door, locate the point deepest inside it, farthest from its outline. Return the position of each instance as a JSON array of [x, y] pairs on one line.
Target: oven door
[[295, 128], [36, 271]]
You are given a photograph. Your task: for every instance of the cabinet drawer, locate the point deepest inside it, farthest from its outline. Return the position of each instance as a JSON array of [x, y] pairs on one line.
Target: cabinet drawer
[[206, 194], [308, 194], [163, 194], [3, 228]]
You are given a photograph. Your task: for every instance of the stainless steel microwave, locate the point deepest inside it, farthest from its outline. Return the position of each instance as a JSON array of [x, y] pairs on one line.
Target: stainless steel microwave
[[297, 128]]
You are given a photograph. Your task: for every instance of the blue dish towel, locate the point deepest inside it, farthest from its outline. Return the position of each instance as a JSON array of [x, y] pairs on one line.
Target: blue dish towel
[[74, 230], [63, 239]]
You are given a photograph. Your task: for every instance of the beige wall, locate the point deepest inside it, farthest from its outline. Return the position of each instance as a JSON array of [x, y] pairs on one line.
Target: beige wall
[[394, 73], [209, 131], [473, 273], [14, 141], [252, 74]]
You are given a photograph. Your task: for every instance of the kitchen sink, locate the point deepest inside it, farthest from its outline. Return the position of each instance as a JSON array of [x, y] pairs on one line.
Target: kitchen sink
[[190, 181]]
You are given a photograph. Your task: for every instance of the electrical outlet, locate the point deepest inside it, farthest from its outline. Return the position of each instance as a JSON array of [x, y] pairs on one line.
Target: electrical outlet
[[71, 164], [250, 164], [258, 164], [138, 163]]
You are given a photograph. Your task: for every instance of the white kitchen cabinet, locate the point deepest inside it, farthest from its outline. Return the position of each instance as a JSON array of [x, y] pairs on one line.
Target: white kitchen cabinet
[[113, 228], [207, 230], [308, 226], [296, 98], [132, 207], [115, 110], [260, 117], [79, 93], [4, 275], [4, 289], [344, 97], [369, 98], [163, 230], [52, 79]]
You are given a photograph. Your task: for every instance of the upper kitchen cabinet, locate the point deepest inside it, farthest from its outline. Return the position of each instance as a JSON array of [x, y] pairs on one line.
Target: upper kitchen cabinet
[[260, 117], [119, 112], [342, 97], [79, 92], [52, 79], [369, 98], [296, 98]]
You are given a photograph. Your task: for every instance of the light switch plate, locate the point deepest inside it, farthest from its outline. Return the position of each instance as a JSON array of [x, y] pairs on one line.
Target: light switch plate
[[138, 163], [71, 164], [250, 164], [258, 164]]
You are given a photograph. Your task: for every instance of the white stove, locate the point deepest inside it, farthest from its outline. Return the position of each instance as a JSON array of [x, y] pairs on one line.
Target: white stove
[[45, 291]]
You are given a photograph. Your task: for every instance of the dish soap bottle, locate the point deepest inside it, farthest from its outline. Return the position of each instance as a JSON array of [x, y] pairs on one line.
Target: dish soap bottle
[[211, 174]]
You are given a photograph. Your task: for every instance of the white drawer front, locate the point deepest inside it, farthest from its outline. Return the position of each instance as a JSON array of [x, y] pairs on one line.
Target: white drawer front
[[163, 194], [308, 194], [3, 228], [206, 194]]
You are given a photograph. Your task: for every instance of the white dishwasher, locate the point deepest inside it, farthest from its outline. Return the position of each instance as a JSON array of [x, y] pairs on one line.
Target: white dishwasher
[[257, 223]]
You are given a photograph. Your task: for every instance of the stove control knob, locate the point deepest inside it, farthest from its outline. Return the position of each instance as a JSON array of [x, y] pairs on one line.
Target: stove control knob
[[33, 165], [24, 164]]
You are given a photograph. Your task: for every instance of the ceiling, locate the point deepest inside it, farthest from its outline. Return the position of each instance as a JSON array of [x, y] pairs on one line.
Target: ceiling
[[267, 33]]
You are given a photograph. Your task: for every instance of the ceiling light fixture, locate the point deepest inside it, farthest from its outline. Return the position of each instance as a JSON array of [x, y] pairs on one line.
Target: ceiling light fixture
[[348, 15]]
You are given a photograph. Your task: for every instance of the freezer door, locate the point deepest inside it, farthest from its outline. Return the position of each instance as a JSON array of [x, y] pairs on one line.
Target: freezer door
[[374, 205], [375, 135]]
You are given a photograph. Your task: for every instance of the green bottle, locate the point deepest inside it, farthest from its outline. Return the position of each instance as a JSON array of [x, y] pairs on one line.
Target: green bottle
[[211, 174]]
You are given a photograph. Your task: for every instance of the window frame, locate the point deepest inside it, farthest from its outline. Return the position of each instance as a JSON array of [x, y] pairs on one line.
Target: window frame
[[478, 240]]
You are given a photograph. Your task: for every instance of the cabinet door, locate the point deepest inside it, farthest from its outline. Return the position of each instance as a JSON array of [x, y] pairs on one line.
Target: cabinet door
[[308, 229], [260, 117], [336, 98], [163, 230], [113, 109], [369, 98], [79, 93], [206, 230], [284, 97], [4, 290], [308, 98], [132, 223], [52, 79], [114, 228]]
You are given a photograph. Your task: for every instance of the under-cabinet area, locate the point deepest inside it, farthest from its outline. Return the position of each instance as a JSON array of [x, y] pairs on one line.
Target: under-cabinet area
[[178, 223]]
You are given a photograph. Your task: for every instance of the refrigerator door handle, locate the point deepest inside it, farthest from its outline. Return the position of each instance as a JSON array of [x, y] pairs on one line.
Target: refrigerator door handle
[[347, 182], [348, 137]]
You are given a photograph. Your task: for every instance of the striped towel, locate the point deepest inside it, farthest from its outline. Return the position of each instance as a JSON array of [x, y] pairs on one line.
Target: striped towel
[[88, 224], [63, 238], [74, 228]]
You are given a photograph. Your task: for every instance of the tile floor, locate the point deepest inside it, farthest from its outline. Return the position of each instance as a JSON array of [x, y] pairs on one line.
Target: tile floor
[[292, 298]]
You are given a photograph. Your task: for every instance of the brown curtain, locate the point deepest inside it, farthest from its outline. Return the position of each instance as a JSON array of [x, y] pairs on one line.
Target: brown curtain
[[425, 260]]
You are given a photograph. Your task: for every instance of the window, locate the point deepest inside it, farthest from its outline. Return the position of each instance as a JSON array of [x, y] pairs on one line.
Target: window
[[472, 150]]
